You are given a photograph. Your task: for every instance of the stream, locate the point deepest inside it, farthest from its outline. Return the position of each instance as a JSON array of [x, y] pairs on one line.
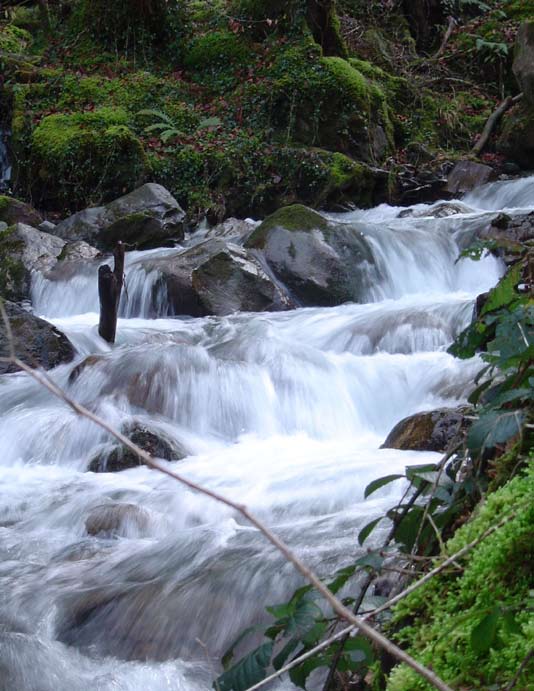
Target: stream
[[284, 412]]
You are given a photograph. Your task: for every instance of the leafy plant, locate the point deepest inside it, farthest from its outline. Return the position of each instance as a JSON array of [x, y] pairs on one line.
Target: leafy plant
[[168, 130]]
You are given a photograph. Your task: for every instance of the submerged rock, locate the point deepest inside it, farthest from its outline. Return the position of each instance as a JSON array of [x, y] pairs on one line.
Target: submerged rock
[[117, 520], [147, 217], [23, 250], [37, 343], [121, 458], [435, 430], [441, 210], [219, 278], [321, 263]]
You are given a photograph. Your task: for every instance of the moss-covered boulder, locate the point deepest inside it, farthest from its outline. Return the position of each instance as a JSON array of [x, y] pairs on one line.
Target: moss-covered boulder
[[430, 431], [14, 211], [147, 217], [37, 343], [85, 156], [23, 251], [516, 141], [321, 263], [117, 458]]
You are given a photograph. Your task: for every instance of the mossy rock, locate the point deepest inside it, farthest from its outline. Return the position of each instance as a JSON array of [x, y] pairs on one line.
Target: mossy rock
[[13, 39], [216, 49], [321, 263], [15, 211], [429, 431], [436, 622], [82, 157]]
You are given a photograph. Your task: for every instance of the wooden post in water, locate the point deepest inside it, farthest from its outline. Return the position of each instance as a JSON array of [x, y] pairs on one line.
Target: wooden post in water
[[109, 291]]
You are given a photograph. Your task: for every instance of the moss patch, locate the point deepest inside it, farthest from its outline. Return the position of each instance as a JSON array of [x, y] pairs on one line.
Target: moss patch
[[294, 218], [498, 572]]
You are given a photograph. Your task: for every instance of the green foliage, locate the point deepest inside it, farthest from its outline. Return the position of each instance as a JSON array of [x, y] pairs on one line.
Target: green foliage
[[13, 39]]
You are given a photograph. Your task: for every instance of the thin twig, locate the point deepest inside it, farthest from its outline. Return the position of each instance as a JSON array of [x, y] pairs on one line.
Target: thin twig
[[338, 607], [521, 669]]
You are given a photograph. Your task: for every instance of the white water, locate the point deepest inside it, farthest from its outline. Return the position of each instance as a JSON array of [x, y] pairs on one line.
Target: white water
[[284, 412]]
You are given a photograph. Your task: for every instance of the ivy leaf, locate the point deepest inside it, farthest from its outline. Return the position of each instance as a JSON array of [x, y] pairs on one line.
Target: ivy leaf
[[380, 482], [299, 675], [494, 427], [248, 671], [368, 529], [484, 634]]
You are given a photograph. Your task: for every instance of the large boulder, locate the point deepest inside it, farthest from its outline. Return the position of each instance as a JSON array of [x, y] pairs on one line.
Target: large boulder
[[466, 175], [14, 211], [524, 60], [320, 262], [147, 217], [509, 229], [215, 277], [24, 250], [435, 430], [36, 342], [516, 141], [120, 458]]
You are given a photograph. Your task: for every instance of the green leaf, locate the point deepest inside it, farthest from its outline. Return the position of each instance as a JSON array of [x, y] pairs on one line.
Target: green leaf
[[380, 482], [504, 292], [359, 649], [299, 675], [510, 623], [229, 654], [156, 114], [209, 122], [280, 660], [248, 671], [484, 634], [368, 529], [494, 427]]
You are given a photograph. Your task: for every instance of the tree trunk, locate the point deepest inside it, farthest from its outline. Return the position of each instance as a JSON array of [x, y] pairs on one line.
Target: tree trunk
[[424, 16], [44, 12], [324, 25], [109, 291]]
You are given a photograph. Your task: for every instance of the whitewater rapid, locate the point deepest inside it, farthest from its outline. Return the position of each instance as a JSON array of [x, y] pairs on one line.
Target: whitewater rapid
[[284, 412]]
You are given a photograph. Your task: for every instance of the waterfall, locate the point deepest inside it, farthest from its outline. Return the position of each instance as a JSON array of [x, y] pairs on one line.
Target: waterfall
[[284, 412], [5, 163]]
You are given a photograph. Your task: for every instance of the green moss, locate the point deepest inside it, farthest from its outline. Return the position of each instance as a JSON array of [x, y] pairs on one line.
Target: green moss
[[83, 157], [216, 49], [12, 272], [294, 218], [13, 39], [445, 611], [520, 9]]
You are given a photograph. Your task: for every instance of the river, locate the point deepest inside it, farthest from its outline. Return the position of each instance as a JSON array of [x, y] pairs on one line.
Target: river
[[284, 412]]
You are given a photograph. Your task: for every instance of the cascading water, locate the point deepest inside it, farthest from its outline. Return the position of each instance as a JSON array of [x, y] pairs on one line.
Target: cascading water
[[283, 412], [5, 163]]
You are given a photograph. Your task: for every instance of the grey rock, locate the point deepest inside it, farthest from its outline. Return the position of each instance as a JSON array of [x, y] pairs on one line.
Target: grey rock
[[220, 278], [430, 431], [321, 263], [155, 443], [523, 66], [79, 251], [441, 210], [516, 228], [232, 229], [147, 217], [37, 343], [23, 250], [3, 226], [516, 141], [47, 227], [466, 175]]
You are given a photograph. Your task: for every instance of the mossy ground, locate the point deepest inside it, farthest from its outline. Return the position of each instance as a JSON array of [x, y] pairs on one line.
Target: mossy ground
[[297, 117]]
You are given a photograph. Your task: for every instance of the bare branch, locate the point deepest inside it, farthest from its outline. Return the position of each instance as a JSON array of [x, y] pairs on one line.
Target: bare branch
[[337, 606], [492, 122]]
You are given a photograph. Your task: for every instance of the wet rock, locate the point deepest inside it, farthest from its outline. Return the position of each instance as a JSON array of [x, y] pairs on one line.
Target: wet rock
[[37, 343], [79, 251], [147, 217], [232, 230], [47, 227], [466, 175], [435, 430], [120, 458], [14, 211], [215, 277], [89, 361], [513, 229], [442, 210], [523, 66], [416, 184], [117, 520], [23, 250], [321, 263]]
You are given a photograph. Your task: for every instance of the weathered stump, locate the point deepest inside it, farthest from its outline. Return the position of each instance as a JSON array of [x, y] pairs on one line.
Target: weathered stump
[[109, 291]]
